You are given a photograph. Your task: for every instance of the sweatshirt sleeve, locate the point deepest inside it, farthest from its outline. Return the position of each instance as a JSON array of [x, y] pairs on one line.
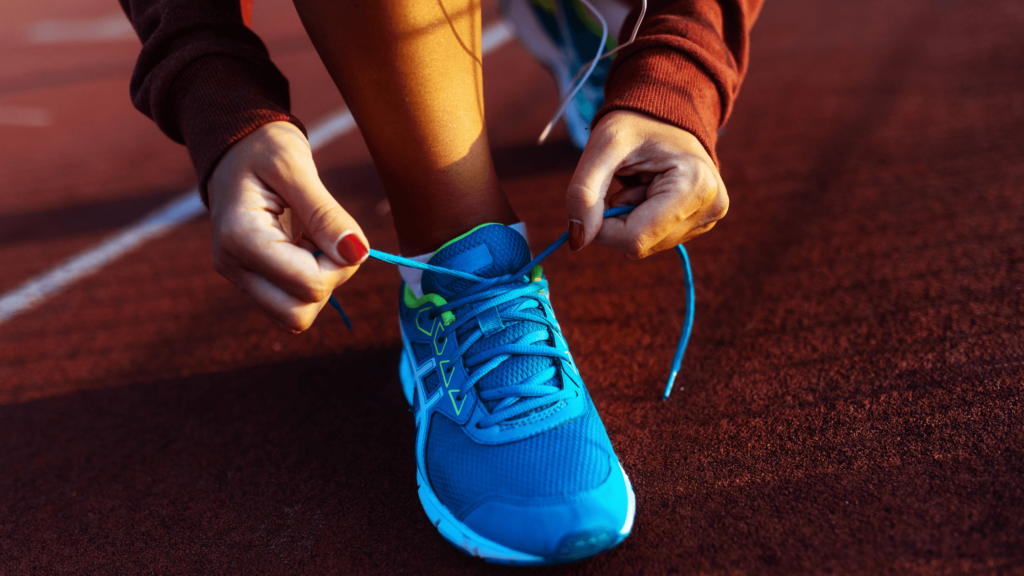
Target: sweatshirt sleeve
[[204, 77], [686, 64]]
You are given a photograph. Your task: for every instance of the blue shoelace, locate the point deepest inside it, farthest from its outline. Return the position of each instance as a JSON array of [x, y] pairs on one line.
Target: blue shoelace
[[488, 294]]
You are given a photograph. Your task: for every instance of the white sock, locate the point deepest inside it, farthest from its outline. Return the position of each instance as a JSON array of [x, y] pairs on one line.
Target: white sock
[[414, 276]]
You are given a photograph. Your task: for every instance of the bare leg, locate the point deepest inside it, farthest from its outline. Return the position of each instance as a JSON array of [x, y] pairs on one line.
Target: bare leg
[[411, 73]]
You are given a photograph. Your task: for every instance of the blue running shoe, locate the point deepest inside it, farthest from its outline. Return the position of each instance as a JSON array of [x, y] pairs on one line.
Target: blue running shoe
[[564, 37], [512, 461]]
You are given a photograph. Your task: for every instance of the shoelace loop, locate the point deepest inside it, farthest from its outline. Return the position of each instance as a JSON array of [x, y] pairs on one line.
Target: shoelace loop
[[508, 298], [486, 293]]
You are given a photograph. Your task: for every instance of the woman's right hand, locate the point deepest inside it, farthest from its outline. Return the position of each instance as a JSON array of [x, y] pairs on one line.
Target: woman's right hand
[[261, 176]]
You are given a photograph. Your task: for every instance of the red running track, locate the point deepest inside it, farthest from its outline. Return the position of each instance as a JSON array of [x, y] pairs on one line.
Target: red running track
[[851, 401]]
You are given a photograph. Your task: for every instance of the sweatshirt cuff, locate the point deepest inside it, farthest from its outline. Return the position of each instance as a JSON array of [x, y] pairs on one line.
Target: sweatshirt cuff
[[217, 101], [666, 84]]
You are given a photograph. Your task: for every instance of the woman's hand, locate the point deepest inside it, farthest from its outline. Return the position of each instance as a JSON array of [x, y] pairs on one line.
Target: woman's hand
[[265, 177], [666, 173]]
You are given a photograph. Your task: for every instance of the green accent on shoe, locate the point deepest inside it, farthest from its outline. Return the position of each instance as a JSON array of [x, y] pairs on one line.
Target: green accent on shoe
[[457, 238], [413, 302], [446, 375], [458, 407], [419, 326], [437, 335], [537, 273], [545, 5]]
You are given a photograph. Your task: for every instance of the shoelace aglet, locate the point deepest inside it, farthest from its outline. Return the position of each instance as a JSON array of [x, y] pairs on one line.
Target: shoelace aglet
[[547, 130], [671, 382]]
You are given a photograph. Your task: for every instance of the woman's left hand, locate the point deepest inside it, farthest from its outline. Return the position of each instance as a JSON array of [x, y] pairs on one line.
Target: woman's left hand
[[666, 173]]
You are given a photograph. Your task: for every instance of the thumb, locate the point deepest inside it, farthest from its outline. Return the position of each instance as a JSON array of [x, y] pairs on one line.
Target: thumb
[[584, 199], [323, 220]]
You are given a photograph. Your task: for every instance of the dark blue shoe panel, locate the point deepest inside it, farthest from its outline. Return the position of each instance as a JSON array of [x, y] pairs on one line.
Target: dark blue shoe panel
[[487, 251]]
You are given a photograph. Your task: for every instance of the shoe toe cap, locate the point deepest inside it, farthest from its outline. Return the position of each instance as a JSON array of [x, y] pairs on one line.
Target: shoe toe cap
[[575, 527]]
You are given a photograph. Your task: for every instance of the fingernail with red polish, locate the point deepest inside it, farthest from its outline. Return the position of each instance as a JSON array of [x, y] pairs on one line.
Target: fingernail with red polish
[[576, 235], [351, 248]]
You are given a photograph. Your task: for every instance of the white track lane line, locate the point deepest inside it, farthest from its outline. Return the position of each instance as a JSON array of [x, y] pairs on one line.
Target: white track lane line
[[29, 116], [180, 210], [113, 27]]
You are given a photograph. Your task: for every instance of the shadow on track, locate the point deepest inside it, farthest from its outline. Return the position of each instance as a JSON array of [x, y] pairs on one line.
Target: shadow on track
[[266, 466]]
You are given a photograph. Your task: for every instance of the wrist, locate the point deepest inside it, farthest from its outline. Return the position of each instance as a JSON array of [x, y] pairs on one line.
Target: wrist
[[266, 145], [634, 129], [218, 101], [666, 85]]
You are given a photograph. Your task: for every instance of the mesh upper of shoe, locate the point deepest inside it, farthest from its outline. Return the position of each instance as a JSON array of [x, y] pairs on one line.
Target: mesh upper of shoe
[[564, 461]]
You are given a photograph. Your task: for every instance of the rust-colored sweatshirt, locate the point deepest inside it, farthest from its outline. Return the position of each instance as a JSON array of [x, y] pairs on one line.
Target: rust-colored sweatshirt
[[207, 80]]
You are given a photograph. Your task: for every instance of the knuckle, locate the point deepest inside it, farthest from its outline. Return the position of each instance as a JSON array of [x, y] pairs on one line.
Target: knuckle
[[316, 291], [701, 175], [699, 230], [704, 180], [721, 206], [578, 194], [706, 228], [323, 219], [305, 293], [705, 176], [636, 249], [305, 285], [297, 320]]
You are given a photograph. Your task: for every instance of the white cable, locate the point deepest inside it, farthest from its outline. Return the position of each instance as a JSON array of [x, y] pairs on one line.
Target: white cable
[[589, 67]]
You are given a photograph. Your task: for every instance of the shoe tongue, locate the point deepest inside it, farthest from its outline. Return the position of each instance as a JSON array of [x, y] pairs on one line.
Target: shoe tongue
[[487, 251]]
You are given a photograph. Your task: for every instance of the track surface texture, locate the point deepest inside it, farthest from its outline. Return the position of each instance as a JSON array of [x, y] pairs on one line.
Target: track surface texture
[[851, 401]]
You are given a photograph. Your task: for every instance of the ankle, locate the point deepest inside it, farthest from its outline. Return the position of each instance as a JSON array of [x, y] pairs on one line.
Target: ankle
[[424, 229]]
